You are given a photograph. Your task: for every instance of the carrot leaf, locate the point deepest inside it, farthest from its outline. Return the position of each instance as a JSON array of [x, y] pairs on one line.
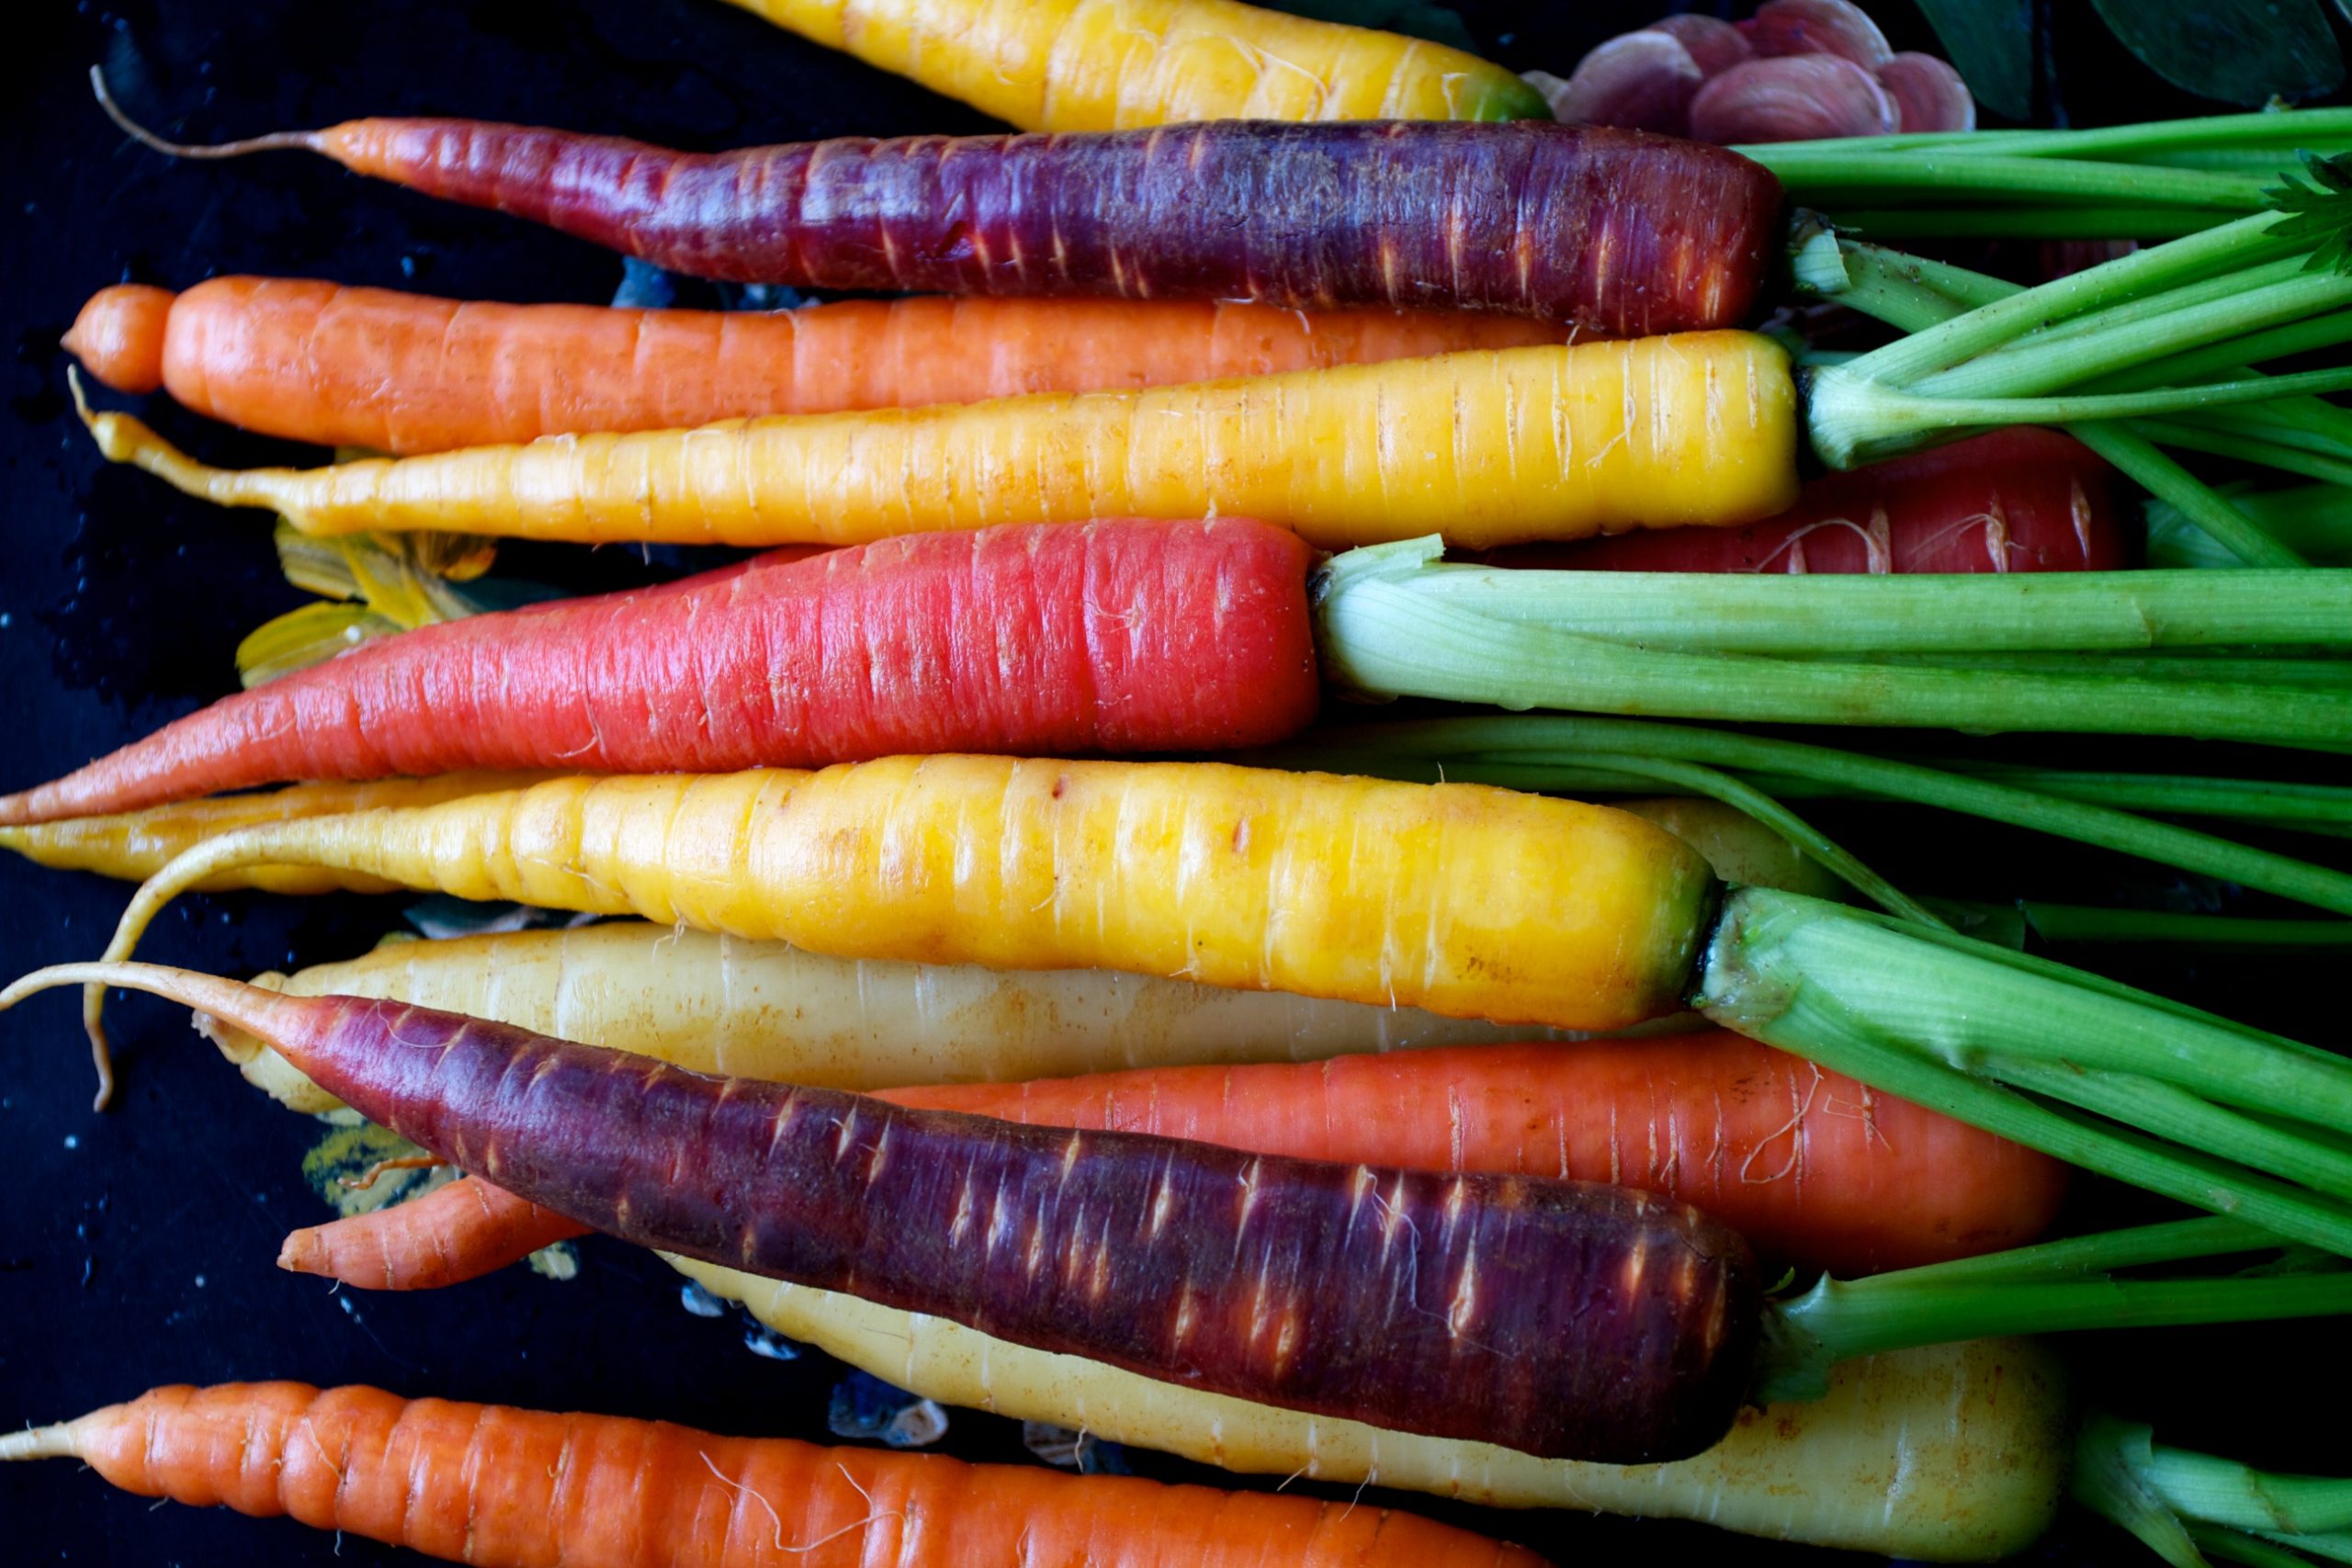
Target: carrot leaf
[[2319, 210], [310, 635]]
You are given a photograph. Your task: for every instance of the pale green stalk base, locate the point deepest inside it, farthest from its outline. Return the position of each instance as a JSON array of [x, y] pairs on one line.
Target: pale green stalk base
[[1954, 1025]]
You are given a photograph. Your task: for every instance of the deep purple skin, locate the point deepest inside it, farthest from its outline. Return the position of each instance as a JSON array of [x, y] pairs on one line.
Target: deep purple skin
[[1619, 231], [1598, 1323]]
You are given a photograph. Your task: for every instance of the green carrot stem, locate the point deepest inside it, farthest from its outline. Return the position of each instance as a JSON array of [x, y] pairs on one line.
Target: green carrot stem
[[1915, 983], [2188, 665], [2316, 519], [2280, 455], [1914, 294], [1862, 615], [1385, 631], [2287, 130], [2095, 223], [1855, 422], [2284, 802], [2248, 242], [2222, 1492], [2102, 344], [2259, 1550], [2102, 1252], [2135, 452], [2074, 924], [1693, 779], [2235, 354], [1816, 178], [1531, 747], [2108, 1458], [1765, 974], [1838, 1320], [2154, 305], [2280, 1149]]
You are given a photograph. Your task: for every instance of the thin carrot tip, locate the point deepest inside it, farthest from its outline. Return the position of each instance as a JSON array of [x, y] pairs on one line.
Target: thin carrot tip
[[297, 140], [38, 1442]]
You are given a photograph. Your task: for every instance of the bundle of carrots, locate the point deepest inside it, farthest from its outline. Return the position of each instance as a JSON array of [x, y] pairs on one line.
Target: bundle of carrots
[[1250, 1113]]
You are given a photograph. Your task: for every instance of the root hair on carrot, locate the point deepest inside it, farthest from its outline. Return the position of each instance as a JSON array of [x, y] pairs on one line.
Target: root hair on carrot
[[276, 142]]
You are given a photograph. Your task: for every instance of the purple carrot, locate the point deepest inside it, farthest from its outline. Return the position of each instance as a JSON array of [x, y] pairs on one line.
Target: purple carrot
[[1618, 231], [1562, 1318]]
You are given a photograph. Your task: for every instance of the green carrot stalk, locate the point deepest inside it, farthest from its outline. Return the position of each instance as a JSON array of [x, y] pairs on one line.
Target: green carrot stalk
[[2064, 1285], [1918, 295], [1591, 755], [2179, 1502], [1393, 621], [2072, 924], [2313, 519], [1990, 1036]]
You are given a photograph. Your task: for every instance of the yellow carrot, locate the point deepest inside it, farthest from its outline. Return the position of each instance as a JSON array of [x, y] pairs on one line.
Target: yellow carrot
[[1104, 65], [1460, 899], [1950, 1454], [137, 844], [1489, 447]]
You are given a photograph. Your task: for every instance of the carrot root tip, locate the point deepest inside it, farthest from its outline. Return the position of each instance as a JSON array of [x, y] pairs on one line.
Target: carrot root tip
[[38, 1442], [281, 140]]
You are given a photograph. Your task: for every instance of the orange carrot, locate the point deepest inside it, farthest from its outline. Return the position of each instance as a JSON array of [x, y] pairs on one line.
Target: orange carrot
[[493, 1485], [1810, 1165], [459, 1231], [396, 372]]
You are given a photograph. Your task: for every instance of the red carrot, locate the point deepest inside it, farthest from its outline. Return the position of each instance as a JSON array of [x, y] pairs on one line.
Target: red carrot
[[1560, 1319], [2022, 499], [395, 372], [1618, 231], [498, 1487], [1808, 1165], [1110, 637]]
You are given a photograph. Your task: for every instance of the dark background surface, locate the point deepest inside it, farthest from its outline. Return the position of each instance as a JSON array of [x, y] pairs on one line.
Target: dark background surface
[[136, 1248]]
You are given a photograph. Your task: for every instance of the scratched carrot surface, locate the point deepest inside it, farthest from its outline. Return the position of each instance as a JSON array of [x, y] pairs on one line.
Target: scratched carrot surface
[[1616, 231], [393, 372], [1561, 1318], [500, 1487], [1809, 1166]]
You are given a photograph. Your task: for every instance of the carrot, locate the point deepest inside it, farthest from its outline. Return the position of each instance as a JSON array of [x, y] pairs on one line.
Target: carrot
[[762, 1010], [394, 372], [1109, 637], [1098, 64], [2022, 499], [492, 1485], [1948, 1453], [1561, 1318], [1615, 230], [1463, 899], [1808, 1165], [138, 844], [1458, 898], [459, 1231], [1486, 446]]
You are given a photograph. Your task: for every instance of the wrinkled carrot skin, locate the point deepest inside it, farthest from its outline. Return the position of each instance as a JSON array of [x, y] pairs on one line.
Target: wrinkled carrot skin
[[2022, 499], [501, 1487], [1469, 901], [1809, 1166], [1094, 64], [1115, 637], [459, 1231], [1618, 231], [1564, 1319], [1485, 447], [137, 844], [393, 372]]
